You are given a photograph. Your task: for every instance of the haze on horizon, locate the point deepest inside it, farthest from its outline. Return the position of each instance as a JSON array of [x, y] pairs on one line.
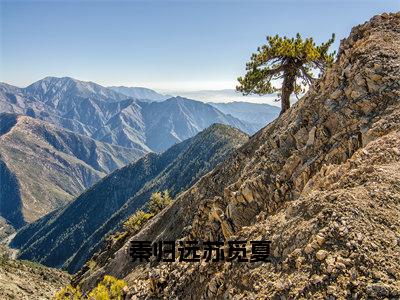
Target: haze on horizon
[[170, 46]]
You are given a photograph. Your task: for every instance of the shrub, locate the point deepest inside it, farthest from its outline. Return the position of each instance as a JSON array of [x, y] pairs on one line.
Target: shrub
[[110, 288], [136, 221], [158, 201]]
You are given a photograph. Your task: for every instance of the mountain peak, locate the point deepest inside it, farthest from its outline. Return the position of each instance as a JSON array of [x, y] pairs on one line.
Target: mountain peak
[[56, 89]]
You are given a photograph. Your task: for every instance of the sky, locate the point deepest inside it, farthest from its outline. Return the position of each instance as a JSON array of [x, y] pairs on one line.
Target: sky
[[165, 45]]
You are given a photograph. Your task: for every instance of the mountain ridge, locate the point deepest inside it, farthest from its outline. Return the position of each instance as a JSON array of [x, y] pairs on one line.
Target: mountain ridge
[[105, 115], [141, 93], [254, 113], [50, 165], [119, 194]]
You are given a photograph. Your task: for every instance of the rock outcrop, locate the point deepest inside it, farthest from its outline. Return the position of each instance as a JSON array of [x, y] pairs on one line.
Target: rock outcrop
[[321, 182]]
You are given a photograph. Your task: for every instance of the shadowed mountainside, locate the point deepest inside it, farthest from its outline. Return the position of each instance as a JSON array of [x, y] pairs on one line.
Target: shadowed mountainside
[[70, 236]]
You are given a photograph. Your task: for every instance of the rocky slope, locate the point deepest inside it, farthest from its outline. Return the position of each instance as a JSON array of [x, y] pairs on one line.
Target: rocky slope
[[105, 115], [321, 182], [43, 167], [24, 280], [67, 238]]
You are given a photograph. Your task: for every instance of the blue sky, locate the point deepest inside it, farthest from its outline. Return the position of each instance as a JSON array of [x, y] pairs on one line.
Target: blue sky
[[167, 45]]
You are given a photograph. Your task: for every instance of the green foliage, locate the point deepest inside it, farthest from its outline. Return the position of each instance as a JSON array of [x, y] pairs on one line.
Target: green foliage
[[158, 201], [110, 288], [136, 221], [290, 59], [91, 264], [120, 235]]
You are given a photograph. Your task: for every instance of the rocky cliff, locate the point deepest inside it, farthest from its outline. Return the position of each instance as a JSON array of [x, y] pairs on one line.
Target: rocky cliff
[[321, 182]]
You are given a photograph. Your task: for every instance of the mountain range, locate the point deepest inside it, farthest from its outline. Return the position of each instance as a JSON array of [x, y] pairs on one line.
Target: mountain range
[[59, 136], [43, 167], [109, 116], [68, 237], [144, 94], [257, 114]]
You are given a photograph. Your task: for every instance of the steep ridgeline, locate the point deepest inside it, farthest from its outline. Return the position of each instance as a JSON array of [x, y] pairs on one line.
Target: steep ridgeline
[[108, 116], [259, 115], [43, 167], [321, 182], [67, 238]]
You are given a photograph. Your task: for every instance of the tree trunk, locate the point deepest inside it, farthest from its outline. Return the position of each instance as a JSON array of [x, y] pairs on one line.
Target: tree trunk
[[289, 79]]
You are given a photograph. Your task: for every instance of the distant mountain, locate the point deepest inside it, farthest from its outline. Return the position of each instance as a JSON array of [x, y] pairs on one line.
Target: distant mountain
[[43, 167], [140, 93], [82, 107], [176, 119], [108, 116], [225, 95], [254, 113], [69, 237], [58, 92]]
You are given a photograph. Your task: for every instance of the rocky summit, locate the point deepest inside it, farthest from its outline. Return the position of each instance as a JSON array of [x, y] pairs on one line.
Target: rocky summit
[[321, 183]]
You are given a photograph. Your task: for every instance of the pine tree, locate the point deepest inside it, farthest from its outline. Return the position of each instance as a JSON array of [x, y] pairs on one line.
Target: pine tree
[[290, 59]]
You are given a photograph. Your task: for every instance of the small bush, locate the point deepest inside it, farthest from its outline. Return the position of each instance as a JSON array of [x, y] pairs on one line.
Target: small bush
[[158, 201], [136, 221], [110, 288]]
